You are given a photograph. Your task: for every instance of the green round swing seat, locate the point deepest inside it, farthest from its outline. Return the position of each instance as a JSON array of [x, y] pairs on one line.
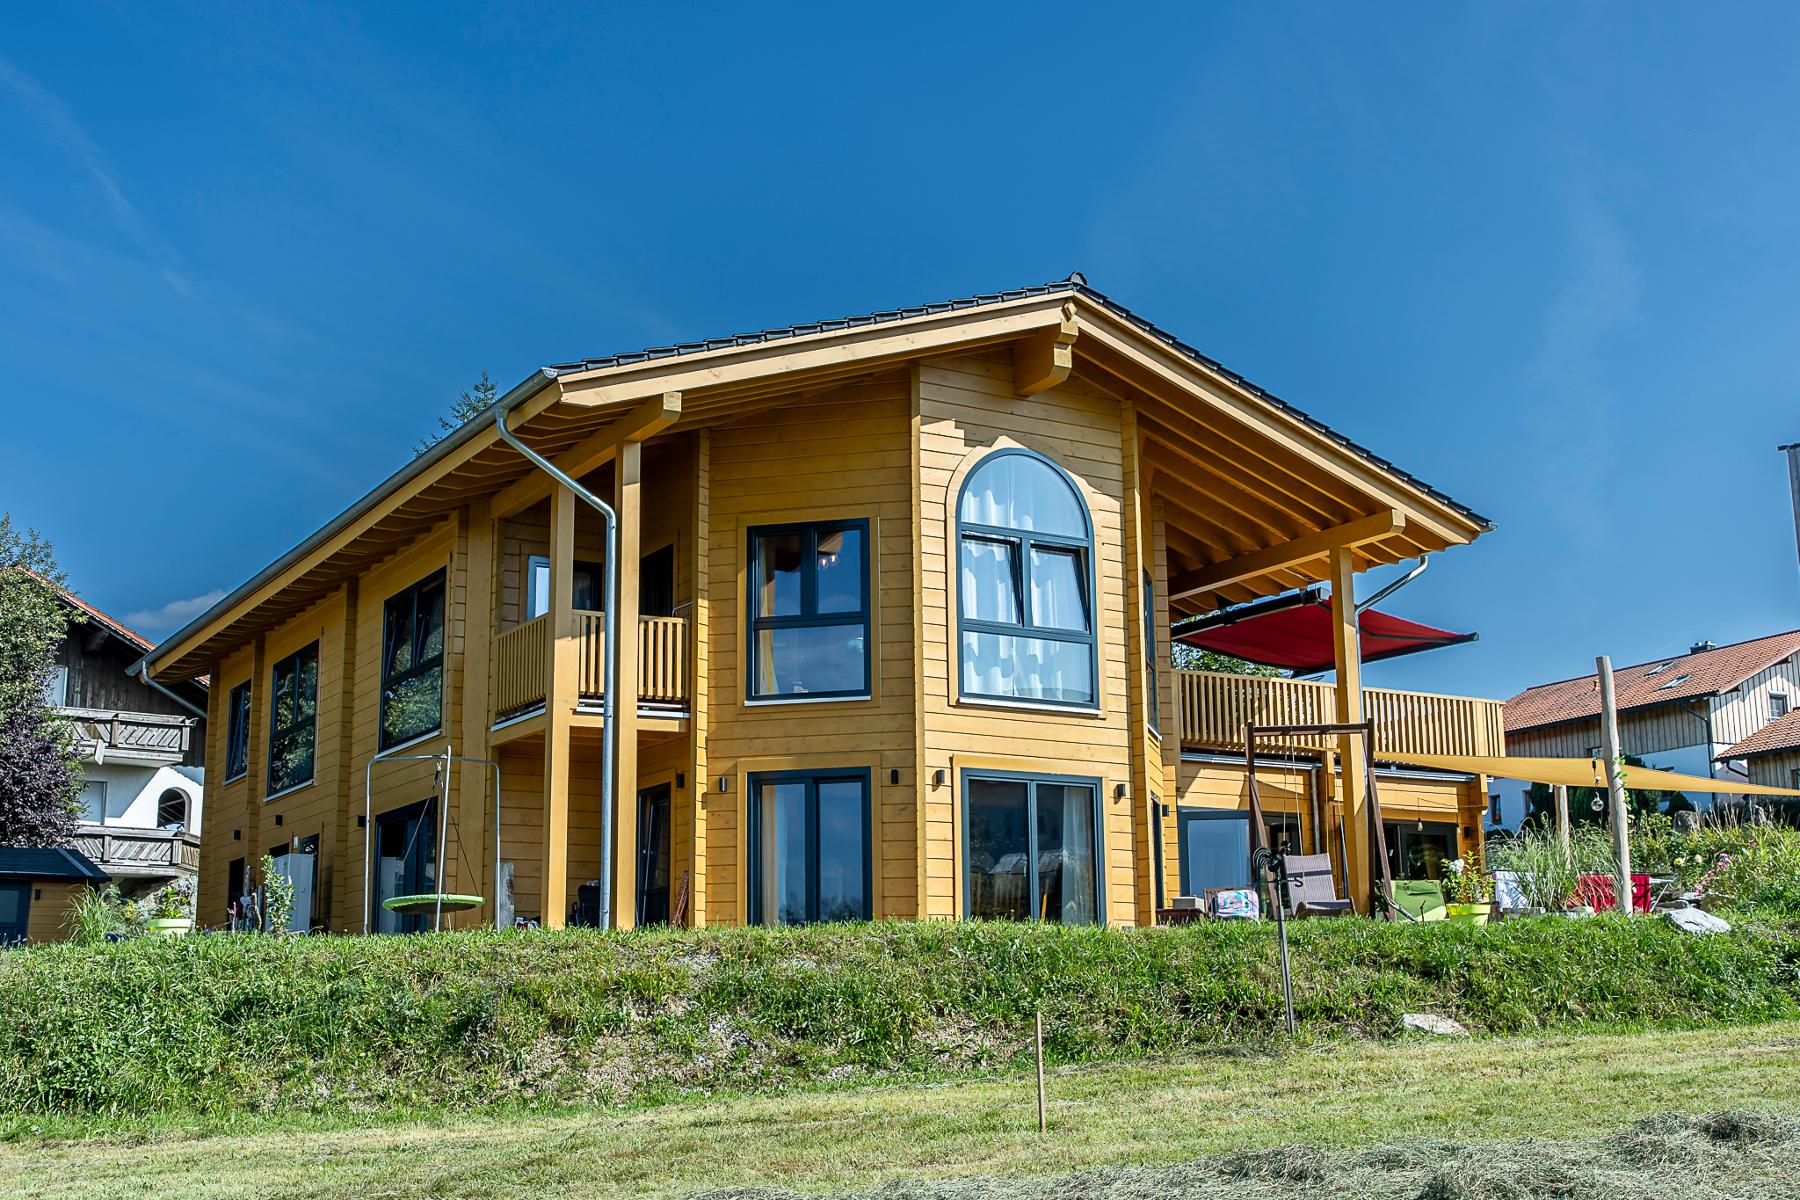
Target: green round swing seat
[[429, 901]]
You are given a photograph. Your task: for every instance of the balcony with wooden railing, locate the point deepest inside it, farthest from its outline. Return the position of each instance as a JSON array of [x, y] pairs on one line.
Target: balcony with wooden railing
[[1215, 708], [521, 653], [125, 851]]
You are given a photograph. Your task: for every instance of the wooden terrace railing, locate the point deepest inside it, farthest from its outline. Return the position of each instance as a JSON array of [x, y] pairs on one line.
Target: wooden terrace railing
[[520, 654], [1215, 708]]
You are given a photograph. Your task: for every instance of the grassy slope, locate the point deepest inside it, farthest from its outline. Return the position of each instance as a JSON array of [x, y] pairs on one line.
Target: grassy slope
[[1347, 1095], [223, 1025]]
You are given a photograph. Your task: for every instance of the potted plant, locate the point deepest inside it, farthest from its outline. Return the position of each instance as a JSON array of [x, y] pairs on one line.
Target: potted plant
[[1467, 890], [172, 910]]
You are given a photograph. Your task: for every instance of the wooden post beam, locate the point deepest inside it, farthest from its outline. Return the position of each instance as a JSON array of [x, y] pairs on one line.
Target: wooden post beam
[[628, 503], [1353, 753], [1334, 542], [561, 693], [1044, 359], [596, 450]]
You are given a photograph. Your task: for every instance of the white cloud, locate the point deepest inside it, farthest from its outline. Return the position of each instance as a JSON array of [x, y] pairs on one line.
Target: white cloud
[[174, 614]]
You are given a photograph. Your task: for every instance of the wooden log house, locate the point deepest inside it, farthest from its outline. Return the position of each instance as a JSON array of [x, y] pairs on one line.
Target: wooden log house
[[897, 592]]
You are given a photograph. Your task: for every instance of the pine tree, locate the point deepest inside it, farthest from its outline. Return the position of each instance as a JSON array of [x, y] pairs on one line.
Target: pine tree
[[463, 409]]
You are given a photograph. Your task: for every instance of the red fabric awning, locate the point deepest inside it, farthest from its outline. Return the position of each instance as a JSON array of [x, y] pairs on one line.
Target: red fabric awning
[[1294, 632]]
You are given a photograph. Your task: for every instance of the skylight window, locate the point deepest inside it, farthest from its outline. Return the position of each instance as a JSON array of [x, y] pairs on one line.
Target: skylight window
[[1675, 682], [1658, 669]]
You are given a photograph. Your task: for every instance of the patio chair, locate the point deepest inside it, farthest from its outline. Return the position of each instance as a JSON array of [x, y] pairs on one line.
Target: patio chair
[[1311, 890], [1420, 899]]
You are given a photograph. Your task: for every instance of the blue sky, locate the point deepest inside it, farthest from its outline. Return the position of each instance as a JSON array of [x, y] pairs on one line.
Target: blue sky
[[1546, 257]]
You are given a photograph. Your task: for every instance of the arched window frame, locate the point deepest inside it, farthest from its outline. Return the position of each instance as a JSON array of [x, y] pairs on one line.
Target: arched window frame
[[1024, 540]]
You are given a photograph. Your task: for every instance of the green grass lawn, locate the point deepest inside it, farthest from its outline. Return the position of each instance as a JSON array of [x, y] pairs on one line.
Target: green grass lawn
[[1332, 1096]]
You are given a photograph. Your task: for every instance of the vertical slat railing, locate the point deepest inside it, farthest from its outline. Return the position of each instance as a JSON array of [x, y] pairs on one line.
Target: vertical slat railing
[[1215, 707], [518, 668]]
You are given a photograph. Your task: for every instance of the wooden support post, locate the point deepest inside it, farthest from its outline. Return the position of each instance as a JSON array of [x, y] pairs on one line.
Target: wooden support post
[[473, 780], [628, 470], [1352, 753], [561, 693], [1615, 783], [699, 698], [1561, 792]]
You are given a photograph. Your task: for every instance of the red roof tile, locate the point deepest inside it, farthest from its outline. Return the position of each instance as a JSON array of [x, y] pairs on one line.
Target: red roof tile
[[1645, 685], [1783, 733]]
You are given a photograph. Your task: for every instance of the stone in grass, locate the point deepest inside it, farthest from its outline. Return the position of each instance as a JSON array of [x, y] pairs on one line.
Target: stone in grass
[[1696, 921], [1433, 1024]]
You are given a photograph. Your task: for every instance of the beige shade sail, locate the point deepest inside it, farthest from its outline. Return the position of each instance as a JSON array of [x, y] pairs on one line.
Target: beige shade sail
[[1581, 772]]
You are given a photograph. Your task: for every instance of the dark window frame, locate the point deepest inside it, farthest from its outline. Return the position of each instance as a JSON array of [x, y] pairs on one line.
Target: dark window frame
[[418, 668], [237, 732], [809, 616], [595, 571], [1151, 648], [1031, 779], [753, 831], [292, 665], [1023, 541], [1182, 817]]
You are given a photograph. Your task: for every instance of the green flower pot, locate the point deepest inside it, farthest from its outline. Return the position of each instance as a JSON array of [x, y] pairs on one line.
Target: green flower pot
[[1466, 914], [169, 926]]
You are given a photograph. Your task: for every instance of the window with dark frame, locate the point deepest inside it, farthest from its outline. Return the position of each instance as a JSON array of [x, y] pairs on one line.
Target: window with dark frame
[[1032, 849], [237, 732], [811, 855], [1213, 849], [809, 611], [1150, 649], [293, 713], [1778, 705], [588, 580], [412, 662], [1025, 584]]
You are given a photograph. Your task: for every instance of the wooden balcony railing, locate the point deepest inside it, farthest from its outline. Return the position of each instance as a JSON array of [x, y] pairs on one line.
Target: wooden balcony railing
[[1216, 707], [519, 656], [147, 736], [124, 850]]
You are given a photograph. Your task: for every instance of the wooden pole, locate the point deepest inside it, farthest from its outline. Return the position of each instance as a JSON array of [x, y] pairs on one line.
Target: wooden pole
[[1793, 456], [1043, 1122], [1615, 784], [1561, 792], [1352, 750]]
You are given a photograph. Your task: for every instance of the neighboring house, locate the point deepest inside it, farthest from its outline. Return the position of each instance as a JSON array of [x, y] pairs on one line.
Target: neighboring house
[[1771, 755], [37, 888], [896, 593], [1682, 713], [142, 753]]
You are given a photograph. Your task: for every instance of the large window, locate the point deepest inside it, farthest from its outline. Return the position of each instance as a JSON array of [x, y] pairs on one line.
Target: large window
[[1215, 849], [1025, 583], [809, 847], [809, 610], [412, 662], [237, 732], [405, 865], [293, 713], [1154, 685], [1033, 848]]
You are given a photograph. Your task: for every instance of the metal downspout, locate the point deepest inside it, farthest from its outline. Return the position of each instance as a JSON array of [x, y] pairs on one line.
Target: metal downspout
[[609, 651], [143, 673]]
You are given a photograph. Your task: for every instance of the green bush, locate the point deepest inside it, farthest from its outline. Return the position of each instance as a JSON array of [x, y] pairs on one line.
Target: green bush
[[226, 1024]]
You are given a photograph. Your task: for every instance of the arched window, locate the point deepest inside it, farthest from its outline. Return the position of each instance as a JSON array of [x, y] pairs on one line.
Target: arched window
[[1025, 583], [172, 809]]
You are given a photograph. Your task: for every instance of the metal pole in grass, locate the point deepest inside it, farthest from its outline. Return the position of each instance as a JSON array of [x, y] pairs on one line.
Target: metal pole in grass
[[1270, 863], [1615, 786], [1043, 1122]]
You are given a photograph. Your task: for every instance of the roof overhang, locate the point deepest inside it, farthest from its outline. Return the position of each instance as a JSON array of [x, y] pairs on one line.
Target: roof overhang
[[1239, 471]]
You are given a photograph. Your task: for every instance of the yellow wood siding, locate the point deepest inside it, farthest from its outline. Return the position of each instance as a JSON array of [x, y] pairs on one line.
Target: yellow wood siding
[[48, 918], [966, 408], [839, 455]]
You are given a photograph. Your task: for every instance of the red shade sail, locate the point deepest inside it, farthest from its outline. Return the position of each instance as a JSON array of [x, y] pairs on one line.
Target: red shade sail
[[1294, 632]]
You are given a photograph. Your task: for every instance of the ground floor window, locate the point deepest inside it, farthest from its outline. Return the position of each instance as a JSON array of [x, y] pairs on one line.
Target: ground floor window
[[1419, 849], [1214, 849], [1032, 848], [15, 912], [405, 865], [653, 856], [810, 857]]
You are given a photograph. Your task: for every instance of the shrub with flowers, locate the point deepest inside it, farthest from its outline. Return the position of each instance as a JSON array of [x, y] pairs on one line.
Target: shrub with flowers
[[1466, 883]]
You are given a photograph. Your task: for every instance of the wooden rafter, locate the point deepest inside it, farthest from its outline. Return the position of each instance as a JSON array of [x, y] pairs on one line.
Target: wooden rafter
[[646, 420], [1043, 360], [1287, 554]]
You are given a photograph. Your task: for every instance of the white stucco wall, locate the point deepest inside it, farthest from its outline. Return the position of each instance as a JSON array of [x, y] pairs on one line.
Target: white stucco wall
[[133, 791]]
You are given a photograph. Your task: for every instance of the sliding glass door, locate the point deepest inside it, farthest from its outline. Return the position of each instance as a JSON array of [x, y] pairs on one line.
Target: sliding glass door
[[1032, 848], [405, 865], [810, 853]]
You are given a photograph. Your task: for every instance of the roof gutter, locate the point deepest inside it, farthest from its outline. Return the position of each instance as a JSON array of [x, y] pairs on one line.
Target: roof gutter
[[609, 651], [536, 382]]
